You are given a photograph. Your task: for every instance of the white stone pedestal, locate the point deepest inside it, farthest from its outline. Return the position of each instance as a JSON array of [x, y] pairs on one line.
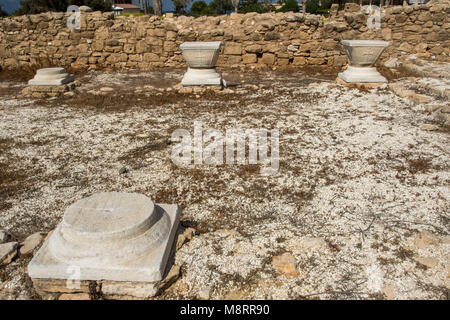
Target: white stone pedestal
[[199, 77], [361, 74], [109, 236], [51, 77], [363, 54], [201, 58]]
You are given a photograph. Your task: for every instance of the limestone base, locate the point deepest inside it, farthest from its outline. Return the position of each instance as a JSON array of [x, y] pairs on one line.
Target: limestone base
[[362, 75], [51, 77], [40, 92], [360, 85], [58, 289], [201, 77], [138, 267], [52, 82]]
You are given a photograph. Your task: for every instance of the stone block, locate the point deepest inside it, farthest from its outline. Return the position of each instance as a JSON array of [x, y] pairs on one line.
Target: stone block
[[233, 49], [249, 58]]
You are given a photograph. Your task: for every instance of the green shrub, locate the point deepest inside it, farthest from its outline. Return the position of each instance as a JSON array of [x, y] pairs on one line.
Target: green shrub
[[128, 14], [200, 8], [312, 6], [252, 6], [289, 5], [326, 4], [221, 6]]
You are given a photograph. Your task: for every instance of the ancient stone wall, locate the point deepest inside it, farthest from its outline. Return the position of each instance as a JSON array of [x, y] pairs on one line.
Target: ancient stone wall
[[271, 39]]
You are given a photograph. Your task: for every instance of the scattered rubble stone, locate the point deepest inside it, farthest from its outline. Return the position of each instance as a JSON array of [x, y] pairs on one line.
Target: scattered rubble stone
[[389, 292], [391, 63], [429, 262], [425, 239], [41, 92], [429, 127], [106, 89], [8, 251], [5, 236], [187, 235], [31, 243], [443, 115], [56, 289], [285, 264]]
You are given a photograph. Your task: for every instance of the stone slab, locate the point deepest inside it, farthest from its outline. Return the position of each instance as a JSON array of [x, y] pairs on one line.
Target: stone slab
[[8, 252], [51, 82], [106, 289], [51, 77], [111, 240]]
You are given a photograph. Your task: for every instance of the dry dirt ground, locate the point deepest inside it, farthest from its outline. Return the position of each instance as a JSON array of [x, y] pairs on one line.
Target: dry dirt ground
[[360, 200]]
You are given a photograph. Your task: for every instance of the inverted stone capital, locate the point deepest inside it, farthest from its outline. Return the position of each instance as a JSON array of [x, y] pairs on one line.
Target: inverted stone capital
[[201, 58], [362, 55]]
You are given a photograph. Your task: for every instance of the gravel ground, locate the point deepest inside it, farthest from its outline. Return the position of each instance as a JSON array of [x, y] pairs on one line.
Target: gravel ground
[[360, 201]]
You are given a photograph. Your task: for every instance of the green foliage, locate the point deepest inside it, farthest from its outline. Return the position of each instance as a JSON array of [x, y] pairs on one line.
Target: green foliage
[[38, 6], [326, 4], [221, 6], [289, 5], [323, 11], [200, 8], [312, 6], [127, 14], [252, 6], [180, 5], [3, 13]]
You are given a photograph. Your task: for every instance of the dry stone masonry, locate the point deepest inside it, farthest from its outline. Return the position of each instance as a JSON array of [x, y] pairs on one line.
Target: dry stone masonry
[[271, 39]]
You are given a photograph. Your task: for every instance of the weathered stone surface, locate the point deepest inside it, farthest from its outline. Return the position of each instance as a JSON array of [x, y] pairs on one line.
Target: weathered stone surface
[[391, 63], [48, 91], [429, 127], [8, 252], [31, 243], [115, 289], [249, 58], [286, 265], [184, 237], [233, 49], [155, 41], [74, 296], [51, 77], [86, 290], [5, 236], [429, 262], [268, 59], [97, 231], [425, 239]]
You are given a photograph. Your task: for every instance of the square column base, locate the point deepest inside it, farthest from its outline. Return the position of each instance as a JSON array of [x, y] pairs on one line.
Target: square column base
[[146, 268], [202, 77], [42, 81], [361, 75]]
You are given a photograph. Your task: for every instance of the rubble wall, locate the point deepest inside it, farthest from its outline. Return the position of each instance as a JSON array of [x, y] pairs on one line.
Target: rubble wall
[[271, 39]]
